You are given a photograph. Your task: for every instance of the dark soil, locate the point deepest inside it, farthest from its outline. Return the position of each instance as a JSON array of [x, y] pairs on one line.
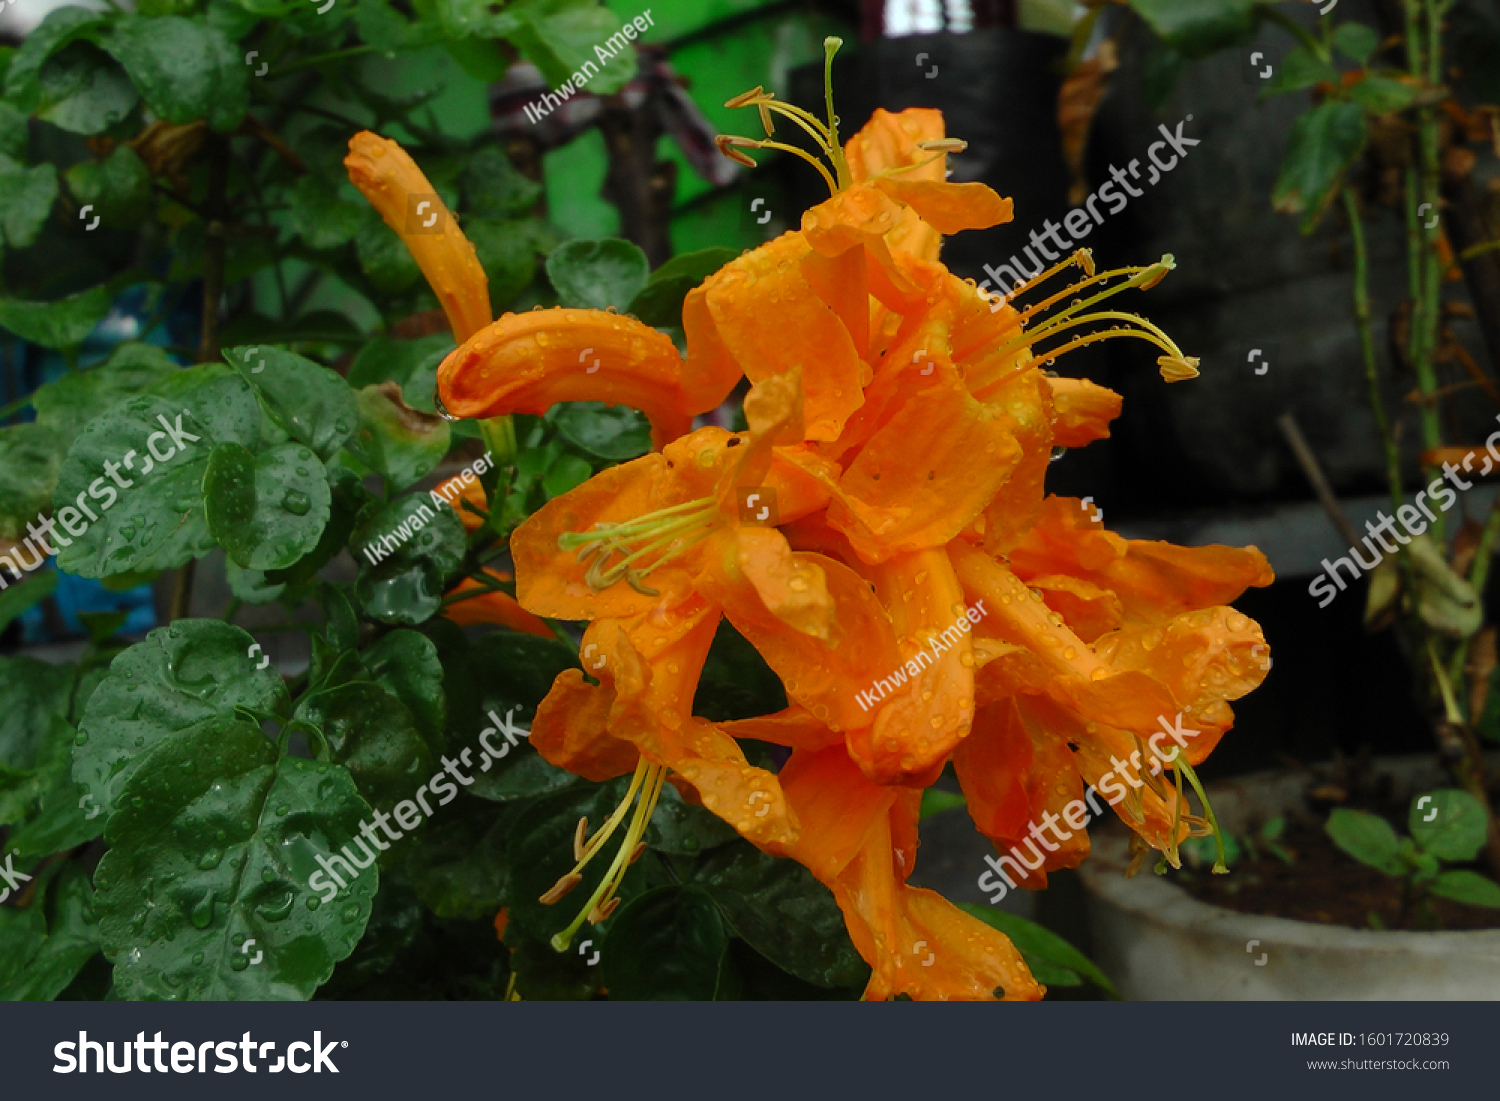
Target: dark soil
[[1324, 884]]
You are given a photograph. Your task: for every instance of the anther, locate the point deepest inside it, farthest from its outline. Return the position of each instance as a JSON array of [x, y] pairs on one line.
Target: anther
[[579, 835], [640, 851], [561, 888], [601, 913]]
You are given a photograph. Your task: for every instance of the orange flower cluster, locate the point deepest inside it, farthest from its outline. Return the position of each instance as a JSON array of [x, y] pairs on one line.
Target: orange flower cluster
[[905, 421]]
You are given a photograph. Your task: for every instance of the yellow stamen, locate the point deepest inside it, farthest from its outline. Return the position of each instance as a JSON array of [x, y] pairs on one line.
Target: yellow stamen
[[648, 780], [665, 534]]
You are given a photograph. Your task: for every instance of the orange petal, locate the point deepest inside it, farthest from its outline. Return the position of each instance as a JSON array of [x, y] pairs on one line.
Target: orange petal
[[1153, 580], [1088, 610], [823, 676], [770, 278], [949, 208], [393, 184], [655, 660], [929, 713], [570, 730], [1082, 411], [927, 473], [526, 363], [493, 607]]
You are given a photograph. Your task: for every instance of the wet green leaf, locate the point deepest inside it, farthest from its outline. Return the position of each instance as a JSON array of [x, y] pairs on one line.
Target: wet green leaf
[[784, 913], [373, 735], [194, 674], [83, 90], [401, 444], [183, 68], [148, 507], [67, 404], [265, 510], [592, 275], [406, 549], [213, 847], [26, 197], [311, 403], [667, 944]]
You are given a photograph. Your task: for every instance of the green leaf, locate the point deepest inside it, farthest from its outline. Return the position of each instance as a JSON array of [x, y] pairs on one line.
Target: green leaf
[[15, 134], [26, 197], [783, 912], [545, 974], [935, 801], [66, 322], [83, 90], [736, 682], [594, 275], [349, 496], [183, 69], [41, 954], [1300, 69], [458, 864], [678, 827], [15, 602], [60, 27], [323, 218], [118, 188], [1323, 143], [212, 847], [1052, 960], [1160, 70], [193, 675], [659, 302], [30, 455], [1450, 824], [265, 510], [1356, 41], [387, 360], [1469, 887], [149, 511], [382, 26], [373, 735], [668, 944], [401, 444], [69, 403], [406, 550], [493, 188], [566, 473], [514, 673], [613, 432], [384, 257], [312, 404], [1382, 95], [558, 36], [1196, 28], [32, 693], [406, 664], [1368, 838], [507, 253]]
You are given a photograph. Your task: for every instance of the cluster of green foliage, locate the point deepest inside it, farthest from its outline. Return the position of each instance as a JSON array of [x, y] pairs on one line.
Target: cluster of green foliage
[[1446, 827]]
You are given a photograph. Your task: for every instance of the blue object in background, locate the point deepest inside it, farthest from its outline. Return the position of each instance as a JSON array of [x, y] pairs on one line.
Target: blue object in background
[[84, 594]]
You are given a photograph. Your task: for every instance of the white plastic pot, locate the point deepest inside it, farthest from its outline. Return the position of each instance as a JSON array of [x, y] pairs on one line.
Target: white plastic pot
[[1158, 943]]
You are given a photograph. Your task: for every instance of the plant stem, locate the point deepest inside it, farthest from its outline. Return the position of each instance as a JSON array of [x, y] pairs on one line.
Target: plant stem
[[1367, 346]]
